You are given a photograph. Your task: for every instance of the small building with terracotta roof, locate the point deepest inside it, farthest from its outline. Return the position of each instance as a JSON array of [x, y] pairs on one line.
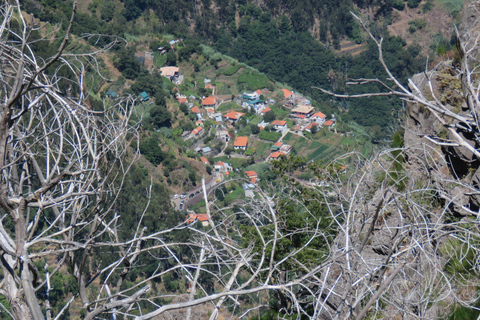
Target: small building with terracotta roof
[[279, 124], [240, 143], [275, 155], [204, 160], [196, 110], [233, 116], [202, 217], [318, 117], [252, 175], [265, 110], [276, 146], [222, 167], [329, 123], [197, 130], [183, 100], [209, 86], [287, 93], [210, 102], [309, 127]]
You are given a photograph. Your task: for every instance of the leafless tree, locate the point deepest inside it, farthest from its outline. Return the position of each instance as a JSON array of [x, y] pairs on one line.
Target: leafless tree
[[407, 246], [387, 249], [62, 167]]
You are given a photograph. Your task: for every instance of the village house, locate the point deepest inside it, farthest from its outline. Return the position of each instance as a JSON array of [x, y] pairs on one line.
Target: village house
[[318, 118], [210, 113], [279, 125], [329, 124], [144, 96], [222, 167], [204, 160], [275, 155], [252, 175], [240, 143], [211, 101], [276, 146], [196, 110], [202, 217], [209, 86], [170, 72], [286, 149], [206, 150], [309, 127], [197, 131], [233, 116], [302, 112], [264, 110], [222, 135], [199, 123], [287, 94]]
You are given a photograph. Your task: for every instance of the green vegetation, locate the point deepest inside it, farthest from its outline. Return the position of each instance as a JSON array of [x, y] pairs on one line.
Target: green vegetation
[[254, 81], [269, 135], [231, 70]]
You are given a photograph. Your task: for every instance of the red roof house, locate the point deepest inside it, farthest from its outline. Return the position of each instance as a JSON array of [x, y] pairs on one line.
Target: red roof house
[[287, 93], [204, 160], [196, 109], [197, 130], [240, 143], [265, 110], [276, 155], [210, 101], [233, 115]]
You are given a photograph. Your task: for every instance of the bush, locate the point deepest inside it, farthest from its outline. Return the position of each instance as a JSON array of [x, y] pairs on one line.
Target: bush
[[413, 3], [398, 4]]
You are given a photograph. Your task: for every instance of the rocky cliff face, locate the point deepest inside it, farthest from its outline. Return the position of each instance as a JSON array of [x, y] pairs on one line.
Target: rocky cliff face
[[431, 145], [408, 248]]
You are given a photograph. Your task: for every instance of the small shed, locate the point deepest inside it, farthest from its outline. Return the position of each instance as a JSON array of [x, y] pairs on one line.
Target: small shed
[[144, 96]]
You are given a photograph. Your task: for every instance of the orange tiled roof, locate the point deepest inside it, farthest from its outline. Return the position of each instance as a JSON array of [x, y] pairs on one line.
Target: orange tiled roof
[[258, 91], [210, 111], [234, 115], [204, 160], [251, 173], [265, 110], [311, 125], [195, 109], [278, 144], [279, 123], [209, 86], [209, 101], [319, 114], [183, 100], [197, 130], [328, 123], [199, 217], [253, 180], [276, 154], [287, 93], [240, 142]]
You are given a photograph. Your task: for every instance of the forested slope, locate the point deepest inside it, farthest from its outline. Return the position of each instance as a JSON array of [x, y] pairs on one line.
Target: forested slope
[[292, 41]]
